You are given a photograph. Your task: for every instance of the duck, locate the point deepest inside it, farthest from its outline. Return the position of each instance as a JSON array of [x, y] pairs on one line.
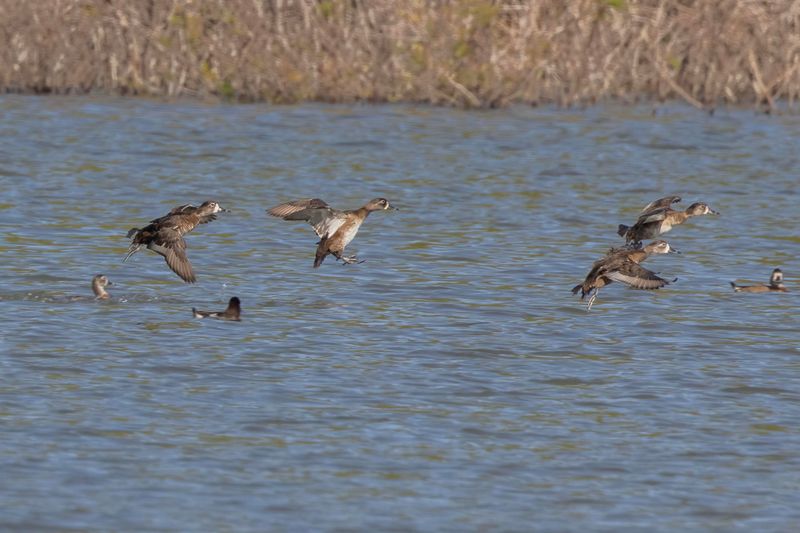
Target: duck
[[99, 284], [232, 312], [658, 218], [622, 264], [164, 235], [775, 284], [335, 228]]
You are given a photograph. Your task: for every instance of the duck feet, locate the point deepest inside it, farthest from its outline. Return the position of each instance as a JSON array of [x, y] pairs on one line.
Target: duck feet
[[591, 300], [351, 260], [132, 250]]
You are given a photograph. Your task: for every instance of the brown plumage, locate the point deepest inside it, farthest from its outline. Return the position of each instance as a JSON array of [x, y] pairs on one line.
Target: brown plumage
[[99, 284], [334, 228], [622, 265], [775, 284], [164, 235], [232, 312], [658, 217]]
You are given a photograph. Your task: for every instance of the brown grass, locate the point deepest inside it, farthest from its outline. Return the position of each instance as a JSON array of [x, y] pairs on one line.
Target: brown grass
[[475, 53]]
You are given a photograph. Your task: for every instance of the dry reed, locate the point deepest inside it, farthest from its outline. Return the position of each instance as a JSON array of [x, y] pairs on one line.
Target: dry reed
[[474, 53]]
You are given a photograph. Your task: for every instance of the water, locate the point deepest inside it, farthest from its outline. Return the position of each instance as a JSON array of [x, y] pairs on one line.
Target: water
[[450, 382]]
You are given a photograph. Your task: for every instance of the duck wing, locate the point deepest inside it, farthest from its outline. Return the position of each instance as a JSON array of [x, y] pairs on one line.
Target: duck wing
[[654, 215], [661, 203], [324, 219], [183, 223], [185, 208], [636, 276], [288, 208], [172, 248], [181, 209], [178, 262]]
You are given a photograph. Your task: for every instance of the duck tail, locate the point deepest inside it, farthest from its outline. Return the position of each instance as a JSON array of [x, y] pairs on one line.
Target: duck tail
[[622, 229], [735, 288]]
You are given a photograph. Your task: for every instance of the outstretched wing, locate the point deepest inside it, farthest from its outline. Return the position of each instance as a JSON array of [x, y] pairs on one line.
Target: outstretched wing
[[183, 210], [172, 247], [178, 210], [185, 221], [654, 215], [177, 261], [637, 276], [324, 219], [288, 208], [661, 203]]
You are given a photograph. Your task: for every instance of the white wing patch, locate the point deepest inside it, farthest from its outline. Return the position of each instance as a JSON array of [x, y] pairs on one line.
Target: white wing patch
[[328, 224]]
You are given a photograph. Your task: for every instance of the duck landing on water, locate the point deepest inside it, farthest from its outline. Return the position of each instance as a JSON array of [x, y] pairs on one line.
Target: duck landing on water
[[658, 217], [622, 264], [335, 228], [164, 235]]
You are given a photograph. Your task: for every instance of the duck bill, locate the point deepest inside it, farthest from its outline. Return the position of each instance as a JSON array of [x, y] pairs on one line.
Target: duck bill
[[713, 212], [673, 251]]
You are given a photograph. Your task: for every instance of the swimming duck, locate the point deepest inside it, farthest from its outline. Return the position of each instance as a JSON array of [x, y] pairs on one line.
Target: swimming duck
[[622, 264], [232, 312], [334, 228], [99, 284], [658, 217], [775, 284], [164, 235]]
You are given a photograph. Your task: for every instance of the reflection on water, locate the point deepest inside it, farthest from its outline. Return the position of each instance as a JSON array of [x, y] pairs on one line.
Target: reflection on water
[[449, 382]]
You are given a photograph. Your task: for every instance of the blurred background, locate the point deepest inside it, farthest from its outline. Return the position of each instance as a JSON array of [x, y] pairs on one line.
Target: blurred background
[[475, 53]]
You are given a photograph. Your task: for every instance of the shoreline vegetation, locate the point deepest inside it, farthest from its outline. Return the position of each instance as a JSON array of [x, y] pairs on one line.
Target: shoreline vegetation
[[464, 53]]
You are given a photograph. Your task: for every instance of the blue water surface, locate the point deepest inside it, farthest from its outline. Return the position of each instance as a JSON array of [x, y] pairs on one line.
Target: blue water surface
[[451, 381]]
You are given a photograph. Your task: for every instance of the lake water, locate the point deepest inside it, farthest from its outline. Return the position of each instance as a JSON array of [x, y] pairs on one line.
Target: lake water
[[449, 382]]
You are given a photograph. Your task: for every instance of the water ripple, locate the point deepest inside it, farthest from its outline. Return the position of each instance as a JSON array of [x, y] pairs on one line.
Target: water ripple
[[449, 382]]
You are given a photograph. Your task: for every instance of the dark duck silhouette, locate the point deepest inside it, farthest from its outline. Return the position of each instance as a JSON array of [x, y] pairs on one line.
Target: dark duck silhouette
[[334, 228], [658, 217], [164, 235], [622, 264], [232, 312]]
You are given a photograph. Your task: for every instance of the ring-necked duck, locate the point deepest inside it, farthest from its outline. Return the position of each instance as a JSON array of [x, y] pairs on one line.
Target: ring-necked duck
[[622, 264], [232, 312], [658, 218], [164, 235], [99, 284], [775, 284], [334, 228]]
